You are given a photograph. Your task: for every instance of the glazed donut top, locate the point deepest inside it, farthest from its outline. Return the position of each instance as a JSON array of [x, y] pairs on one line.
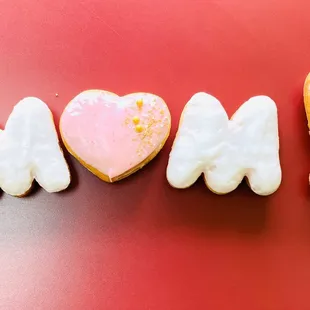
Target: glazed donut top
[[115, 134]]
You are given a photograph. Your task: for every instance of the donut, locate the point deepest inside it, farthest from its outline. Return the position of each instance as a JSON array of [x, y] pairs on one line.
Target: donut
[[114, 136], [225, 151], [29, 150], [307, 98], [307, 102]]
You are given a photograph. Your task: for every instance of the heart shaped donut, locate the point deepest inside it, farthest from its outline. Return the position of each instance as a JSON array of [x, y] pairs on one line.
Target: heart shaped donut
[[115, 136]]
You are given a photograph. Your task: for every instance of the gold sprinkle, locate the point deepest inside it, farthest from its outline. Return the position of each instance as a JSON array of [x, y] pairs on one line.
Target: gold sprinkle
[[136, 120], [139, 103], [139, 128]]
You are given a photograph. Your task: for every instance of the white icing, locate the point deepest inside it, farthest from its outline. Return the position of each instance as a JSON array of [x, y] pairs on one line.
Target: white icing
[[227, 150], [29, 149]]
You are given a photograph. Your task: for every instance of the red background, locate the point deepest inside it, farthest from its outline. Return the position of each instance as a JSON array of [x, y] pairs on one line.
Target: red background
[[140, 244]]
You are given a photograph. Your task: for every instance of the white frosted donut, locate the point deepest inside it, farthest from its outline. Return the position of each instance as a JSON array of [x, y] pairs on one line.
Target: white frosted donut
[[29, 149], [224, 150]]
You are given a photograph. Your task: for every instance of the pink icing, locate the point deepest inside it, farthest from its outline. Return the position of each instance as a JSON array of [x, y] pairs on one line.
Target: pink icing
[[99, 128]]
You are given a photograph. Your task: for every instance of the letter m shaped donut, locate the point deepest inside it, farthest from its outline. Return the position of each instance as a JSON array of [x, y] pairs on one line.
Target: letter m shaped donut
[[225, 151]]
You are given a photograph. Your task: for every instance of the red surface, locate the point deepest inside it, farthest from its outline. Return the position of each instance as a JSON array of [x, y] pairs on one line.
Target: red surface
[[140, 244]]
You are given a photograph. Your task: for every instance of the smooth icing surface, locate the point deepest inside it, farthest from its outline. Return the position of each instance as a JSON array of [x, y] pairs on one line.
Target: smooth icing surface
[[29, 149], [227, 150], [114, 134]]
